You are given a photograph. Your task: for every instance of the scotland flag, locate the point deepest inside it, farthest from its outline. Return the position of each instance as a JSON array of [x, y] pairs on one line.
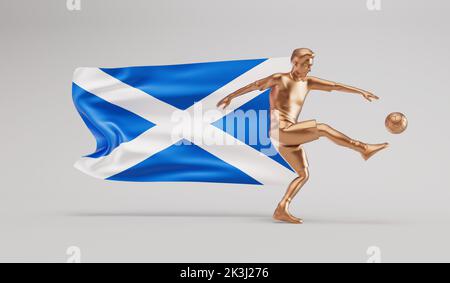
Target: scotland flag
[[142, 120]]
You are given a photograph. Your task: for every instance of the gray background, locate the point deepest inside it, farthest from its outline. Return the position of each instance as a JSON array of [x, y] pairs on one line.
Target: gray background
[[397, 201]]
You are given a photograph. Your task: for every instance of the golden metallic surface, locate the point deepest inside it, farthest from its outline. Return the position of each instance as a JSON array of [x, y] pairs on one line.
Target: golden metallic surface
[[288, 92], [396, 123]]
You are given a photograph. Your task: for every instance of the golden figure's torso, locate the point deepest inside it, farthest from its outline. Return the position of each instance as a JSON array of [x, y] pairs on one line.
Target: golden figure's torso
[[286, 100]]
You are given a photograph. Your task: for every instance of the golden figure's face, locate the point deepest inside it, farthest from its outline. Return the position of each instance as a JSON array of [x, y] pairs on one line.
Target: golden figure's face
[[301, 66]]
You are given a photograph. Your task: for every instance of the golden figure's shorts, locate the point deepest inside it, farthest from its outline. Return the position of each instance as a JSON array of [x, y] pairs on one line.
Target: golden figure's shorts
[[288, 138]]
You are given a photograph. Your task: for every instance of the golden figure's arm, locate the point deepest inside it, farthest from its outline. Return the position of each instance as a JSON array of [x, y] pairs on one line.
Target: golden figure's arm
[[257, 85], [321, 84]]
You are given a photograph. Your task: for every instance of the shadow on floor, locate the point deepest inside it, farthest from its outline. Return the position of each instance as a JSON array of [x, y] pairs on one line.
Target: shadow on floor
[[256, 217]]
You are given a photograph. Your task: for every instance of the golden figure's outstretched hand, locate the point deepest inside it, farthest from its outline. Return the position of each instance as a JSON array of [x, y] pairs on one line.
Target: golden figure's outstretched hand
[[224, 103], [369, 96]]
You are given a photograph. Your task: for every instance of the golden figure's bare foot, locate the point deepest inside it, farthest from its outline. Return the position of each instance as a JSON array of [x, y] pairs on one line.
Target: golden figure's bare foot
[[371, 149], [282, 214]]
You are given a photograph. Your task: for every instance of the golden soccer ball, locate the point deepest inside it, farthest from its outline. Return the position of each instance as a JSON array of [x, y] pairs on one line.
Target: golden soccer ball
[[396, 123]]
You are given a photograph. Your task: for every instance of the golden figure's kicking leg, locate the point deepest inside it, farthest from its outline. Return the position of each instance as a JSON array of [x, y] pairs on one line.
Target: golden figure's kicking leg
[[366, 150], [294, 154]]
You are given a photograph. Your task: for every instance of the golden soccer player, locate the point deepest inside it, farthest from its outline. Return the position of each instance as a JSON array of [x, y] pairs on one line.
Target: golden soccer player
[[287, 96]]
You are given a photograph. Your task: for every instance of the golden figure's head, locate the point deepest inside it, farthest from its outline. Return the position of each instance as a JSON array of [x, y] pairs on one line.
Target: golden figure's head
[[302, 61]]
